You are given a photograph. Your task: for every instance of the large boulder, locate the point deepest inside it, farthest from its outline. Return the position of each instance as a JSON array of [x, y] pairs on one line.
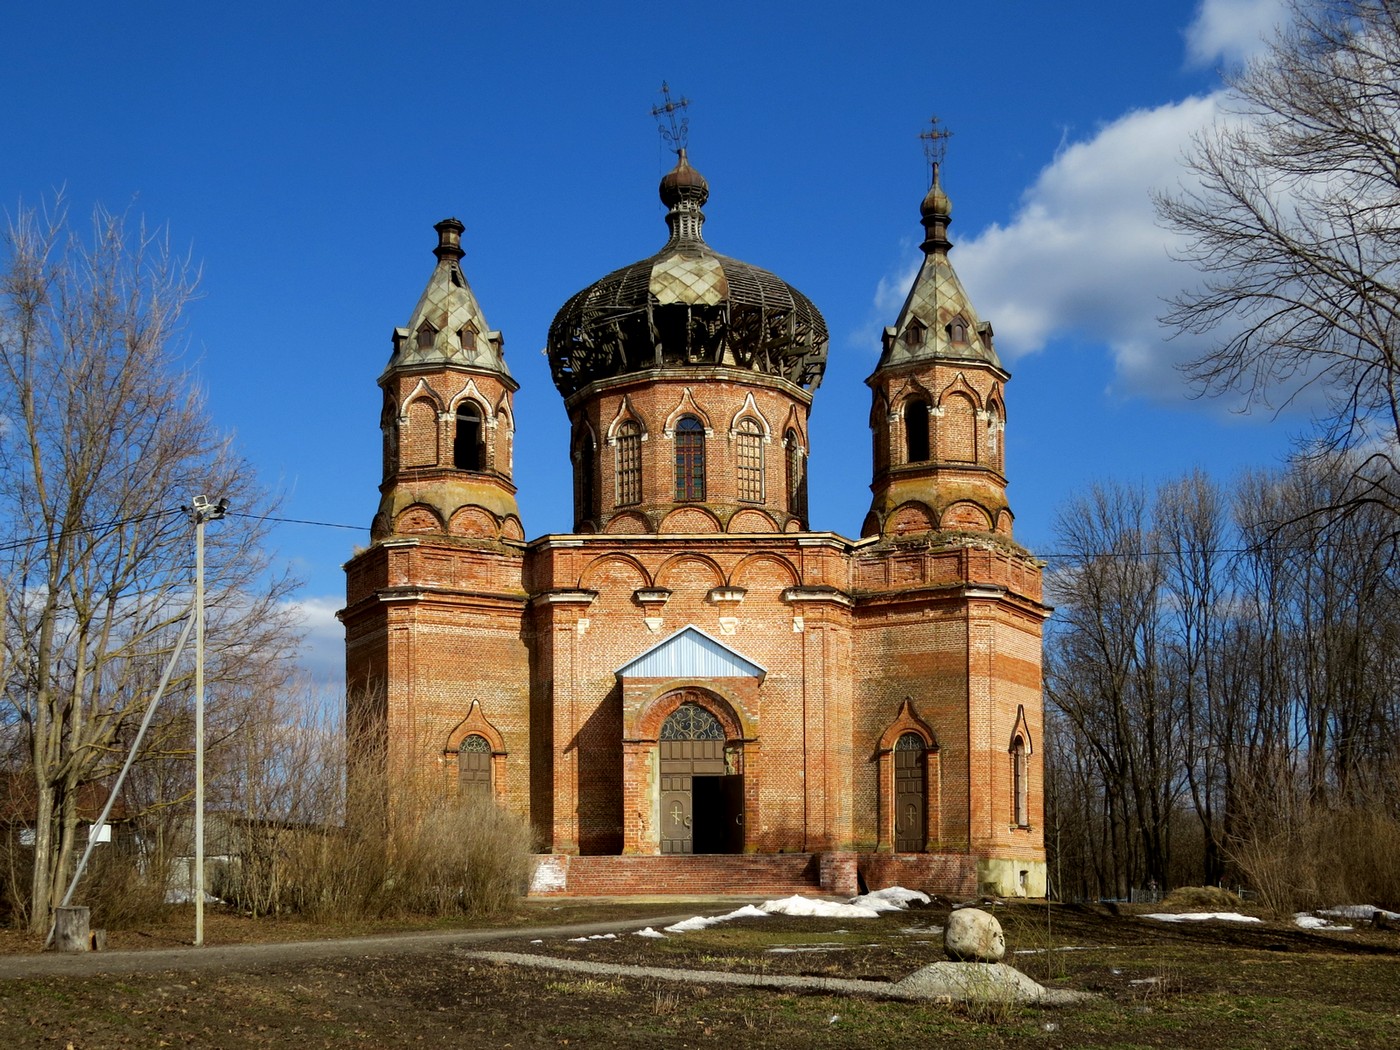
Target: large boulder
[[972, 935]]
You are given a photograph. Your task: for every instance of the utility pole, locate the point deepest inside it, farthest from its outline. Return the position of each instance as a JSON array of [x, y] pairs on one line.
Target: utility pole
[[201, 513]]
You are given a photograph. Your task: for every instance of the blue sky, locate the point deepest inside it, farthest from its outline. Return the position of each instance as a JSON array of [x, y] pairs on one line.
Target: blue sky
[[303, 151]]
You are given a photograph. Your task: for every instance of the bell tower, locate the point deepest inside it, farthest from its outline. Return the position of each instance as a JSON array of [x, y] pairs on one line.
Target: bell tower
[[436, 670], [949, 607], [938, 408]]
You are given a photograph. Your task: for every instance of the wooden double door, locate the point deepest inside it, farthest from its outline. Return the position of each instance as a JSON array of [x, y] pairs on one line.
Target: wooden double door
[[702, 803]]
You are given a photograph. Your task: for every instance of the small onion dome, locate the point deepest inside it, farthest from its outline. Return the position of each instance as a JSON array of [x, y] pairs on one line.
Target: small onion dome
[[683, 183], [686, 306], [937, 212]]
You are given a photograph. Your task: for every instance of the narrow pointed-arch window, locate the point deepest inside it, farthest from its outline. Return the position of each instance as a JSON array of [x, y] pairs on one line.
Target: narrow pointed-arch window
[[750, 442], [914, 333], [796, 476], [916, 438], [583, 476], [1020, 784], [629, 463], [474, 768], [957, 330], [468, 447], [994, 429], [468, 337], [690, 459], [427, 335]]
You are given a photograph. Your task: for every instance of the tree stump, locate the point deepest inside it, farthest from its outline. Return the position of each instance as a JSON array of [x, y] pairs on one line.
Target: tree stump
[[71, 933]]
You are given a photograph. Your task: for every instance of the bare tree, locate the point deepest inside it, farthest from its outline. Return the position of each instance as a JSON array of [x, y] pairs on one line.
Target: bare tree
[[104, 437], [1294, 225]]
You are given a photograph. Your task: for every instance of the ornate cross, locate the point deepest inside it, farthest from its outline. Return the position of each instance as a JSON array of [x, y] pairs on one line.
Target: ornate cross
[[665, 114], [935, 141]]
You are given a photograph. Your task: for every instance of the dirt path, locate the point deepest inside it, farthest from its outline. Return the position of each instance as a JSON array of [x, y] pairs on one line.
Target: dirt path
[[254, 956]]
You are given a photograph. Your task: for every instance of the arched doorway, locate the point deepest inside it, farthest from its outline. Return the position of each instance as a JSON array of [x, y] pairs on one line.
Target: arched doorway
[[702, 784], [910, 792]]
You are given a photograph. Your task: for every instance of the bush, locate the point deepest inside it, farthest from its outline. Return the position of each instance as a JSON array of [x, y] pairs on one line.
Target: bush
[[1324, 857], [448, 857]]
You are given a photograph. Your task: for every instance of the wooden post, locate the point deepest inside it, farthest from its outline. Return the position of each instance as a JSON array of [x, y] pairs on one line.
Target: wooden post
[[71, 929]]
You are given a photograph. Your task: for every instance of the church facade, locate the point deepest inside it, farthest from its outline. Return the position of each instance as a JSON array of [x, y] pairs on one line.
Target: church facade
[[694, 687]]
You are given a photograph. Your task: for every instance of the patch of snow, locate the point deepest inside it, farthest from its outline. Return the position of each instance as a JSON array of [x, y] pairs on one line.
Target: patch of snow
[[596, 937], [799, 905], [1201, 916], [700, 922], [922, 931], [1357, 911], [1316, 922], [1066, 948], [1146, 980], [891, 899], [537, 941], [649, 932]]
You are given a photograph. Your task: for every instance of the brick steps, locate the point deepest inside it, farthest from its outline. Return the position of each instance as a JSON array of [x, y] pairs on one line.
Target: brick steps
[[775, 875]]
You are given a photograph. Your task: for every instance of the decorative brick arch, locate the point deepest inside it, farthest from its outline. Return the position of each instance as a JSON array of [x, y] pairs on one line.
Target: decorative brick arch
[[646, 727], [418, 518], [674, 570], [749, 410], [610, 565], [687, 407]]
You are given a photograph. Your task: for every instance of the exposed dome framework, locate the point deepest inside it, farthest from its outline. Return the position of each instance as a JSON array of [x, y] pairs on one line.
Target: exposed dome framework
[[687, 306]]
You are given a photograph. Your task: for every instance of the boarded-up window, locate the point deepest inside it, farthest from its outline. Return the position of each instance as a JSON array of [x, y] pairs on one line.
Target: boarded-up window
[[420, 440], [957, 430]]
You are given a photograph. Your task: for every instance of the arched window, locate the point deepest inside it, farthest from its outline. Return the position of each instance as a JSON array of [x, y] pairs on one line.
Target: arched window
[[583, 476], [474, 768], [750, 441], [910, 794], [994, 429], [957, 330], [389, 427], [916, 443], [468, 448], [690, 721], [468, 338], [796, 476], [914, 333], [690, 459], [427, 335], [1020, 786], [629, 463]]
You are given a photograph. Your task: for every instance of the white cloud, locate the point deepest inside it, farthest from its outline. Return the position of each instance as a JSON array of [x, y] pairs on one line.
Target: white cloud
[[1232, 31], [323, 649], [1084, 256]]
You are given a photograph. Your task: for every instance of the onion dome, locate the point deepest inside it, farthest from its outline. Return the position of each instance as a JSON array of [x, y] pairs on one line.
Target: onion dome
[[687, 306], [937, 321], [447, 326]]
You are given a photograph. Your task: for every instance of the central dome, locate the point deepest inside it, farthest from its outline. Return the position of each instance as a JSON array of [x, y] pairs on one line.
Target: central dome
[[687, 306]]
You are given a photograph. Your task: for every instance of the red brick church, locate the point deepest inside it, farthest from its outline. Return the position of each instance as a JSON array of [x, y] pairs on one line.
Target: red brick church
[[694, 689]]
